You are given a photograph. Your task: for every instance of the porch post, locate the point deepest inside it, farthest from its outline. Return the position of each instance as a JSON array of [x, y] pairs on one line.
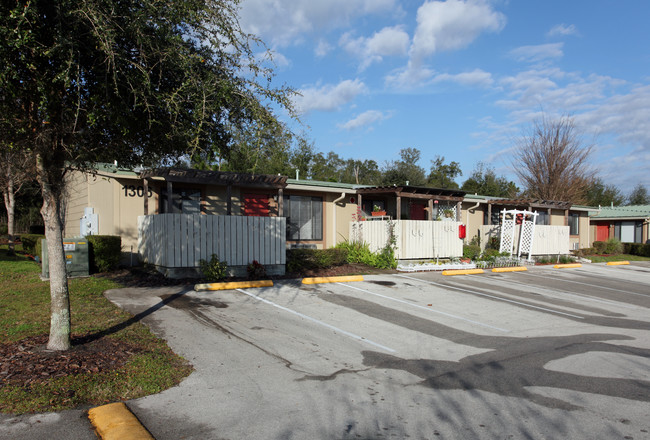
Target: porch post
[[566, 217], [360, 205], [169, 197], [229, 200], [458, 211], [489, 219], [145, 185], [399, 208], [430, 209], [280, 202]]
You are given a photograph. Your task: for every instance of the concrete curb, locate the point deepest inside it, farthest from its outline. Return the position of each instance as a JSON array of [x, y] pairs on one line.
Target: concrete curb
[[510, 269], [618, 263], [567, 266], [341, 279], [233, 285], [463, 272], [116, 422]]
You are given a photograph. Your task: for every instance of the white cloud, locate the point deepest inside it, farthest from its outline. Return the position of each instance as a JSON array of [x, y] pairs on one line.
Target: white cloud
[[329, 97], [537, 53], [475, 78], [389, 41], [282, 22], [445, 26], [365, 119], [322, 48], [562, 30]]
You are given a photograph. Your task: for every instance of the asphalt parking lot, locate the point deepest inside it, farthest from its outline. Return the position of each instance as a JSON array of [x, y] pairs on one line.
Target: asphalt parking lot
[[543, 354]]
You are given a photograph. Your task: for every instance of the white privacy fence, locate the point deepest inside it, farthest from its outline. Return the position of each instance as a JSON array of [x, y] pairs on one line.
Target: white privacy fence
[[414, 238], [181, 240], [548, 240]]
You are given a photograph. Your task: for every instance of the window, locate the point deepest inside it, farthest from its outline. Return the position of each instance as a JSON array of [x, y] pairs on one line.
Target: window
[[304, 217], [184, 201], [574, 222], [542, 218], [629, 232]]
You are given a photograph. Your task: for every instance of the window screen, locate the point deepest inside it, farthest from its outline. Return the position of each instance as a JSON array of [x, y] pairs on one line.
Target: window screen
[[574, 221], [304, 217]]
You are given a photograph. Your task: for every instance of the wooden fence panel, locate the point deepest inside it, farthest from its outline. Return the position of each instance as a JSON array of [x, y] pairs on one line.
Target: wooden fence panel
[[182, 240], [414, 238], [548, 240]]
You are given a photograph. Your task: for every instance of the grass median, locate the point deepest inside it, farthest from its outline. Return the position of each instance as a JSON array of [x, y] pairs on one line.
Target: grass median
[[113, 358]]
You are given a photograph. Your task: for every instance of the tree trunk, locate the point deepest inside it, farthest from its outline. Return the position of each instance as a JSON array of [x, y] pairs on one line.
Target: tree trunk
[[59, 294], [10, 204]]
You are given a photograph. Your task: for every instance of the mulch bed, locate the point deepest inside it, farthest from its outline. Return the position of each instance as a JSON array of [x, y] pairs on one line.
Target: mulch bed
[[28, 361]]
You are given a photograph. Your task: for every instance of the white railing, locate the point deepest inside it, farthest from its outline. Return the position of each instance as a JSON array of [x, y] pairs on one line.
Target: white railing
[[548, 240], [414, 238], [181, 240]]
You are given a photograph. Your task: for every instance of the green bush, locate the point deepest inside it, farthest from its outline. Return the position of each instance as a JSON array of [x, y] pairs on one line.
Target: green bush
[[490, 254], [37, 229], [213, 270], [300, 260], [256, 270], [599, 247], [361, 253], [32, 244], [104, 252], [613, 246], [640, 249], [493, 243], [471, 251]]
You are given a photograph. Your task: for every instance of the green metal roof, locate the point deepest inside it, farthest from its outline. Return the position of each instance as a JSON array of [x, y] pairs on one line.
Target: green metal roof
[[620, 212]]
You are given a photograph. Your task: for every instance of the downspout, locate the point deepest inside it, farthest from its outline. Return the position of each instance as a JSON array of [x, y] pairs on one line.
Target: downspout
[[334, 217]]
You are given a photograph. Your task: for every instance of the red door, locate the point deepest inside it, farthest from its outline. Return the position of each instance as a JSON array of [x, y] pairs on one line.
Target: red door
[[417, 212], [256, 205], [602, 231]]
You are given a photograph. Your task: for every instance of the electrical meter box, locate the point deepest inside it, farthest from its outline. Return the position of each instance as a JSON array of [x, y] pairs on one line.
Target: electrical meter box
[[76, 257]]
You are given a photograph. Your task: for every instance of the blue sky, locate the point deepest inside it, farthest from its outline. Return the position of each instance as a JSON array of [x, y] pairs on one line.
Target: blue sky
[[462, 79]]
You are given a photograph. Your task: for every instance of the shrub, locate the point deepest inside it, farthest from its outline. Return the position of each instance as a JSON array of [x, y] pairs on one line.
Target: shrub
[[493, 243], [300, 260], [599, 247], [613, 246], [213, 270], [361, 253], [32, 244], [37, 229], [104, 252], [256, 270], [490, 254], [471, 251], [640, 249]]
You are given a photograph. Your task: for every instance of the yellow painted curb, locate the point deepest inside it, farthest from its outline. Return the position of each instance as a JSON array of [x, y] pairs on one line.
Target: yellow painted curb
[[116, 422], [462, 271], [510, 269], [618, 263], [233, 285], [567, 266], [342, 279]]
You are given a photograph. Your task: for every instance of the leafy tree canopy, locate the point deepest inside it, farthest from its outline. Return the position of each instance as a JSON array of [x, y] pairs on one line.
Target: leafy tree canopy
[[639, 196], [485, 182], [443, 175], [405, 170], [600, 194]]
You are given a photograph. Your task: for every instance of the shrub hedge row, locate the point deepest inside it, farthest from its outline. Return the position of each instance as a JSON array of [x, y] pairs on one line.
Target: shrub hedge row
[[105, 252], [640, 249], [299, 260]]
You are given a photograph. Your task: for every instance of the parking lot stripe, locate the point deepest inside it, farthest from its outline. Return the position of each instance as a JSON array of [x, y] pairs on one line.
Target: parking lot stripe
[[324, 324], [428, 309], [494, 297], [593, 285]]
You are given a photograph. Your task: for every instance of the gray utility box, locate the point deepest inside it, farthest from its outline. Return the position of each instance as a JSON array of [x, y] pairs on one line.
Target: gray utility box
[[76, 257]]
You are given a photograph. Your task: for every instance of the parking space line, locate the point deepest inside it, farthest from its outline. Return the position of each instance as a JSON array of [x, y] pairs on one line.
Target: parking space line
[[493, 297], [562, 293], [309, 318], [594, 285], [428, 309]]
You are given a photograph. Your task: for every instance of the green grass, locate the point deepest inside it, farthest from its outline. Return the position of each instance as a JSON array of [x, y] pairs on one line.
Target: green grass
[[24, 312], [618, 257]]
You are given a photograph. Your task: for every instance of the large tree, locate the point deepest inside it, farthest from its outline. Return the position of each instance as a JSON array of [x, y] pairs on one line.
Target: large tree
[[599, 193], [443, 175], [639, 196], [484, 181], [138, 81], [551, 161], [406, 170]]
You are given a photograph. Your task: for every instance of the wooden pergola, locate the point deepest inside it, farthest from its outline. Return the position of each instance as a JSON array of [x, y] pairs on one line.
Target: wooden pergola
[[531, 204], [430, 195], [206, 177]]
